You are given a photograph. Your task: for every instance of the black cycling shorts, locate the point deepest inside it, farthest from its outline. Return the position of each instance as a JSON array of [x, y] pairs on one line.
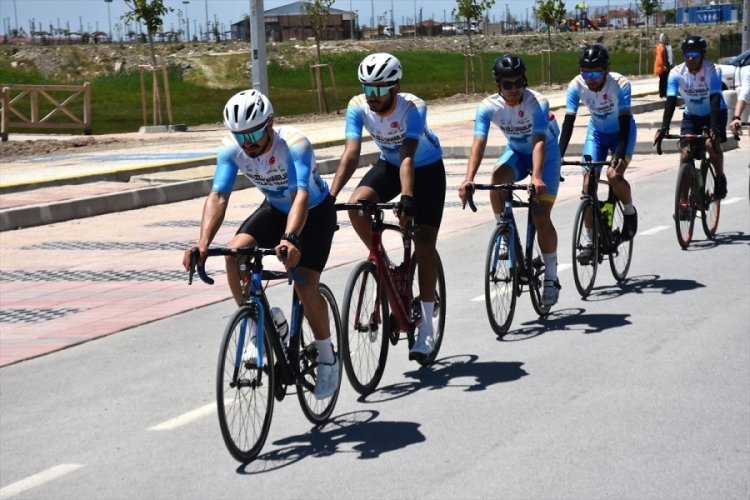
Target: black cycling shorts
[[429, 188], [695, 124], [266, 225]]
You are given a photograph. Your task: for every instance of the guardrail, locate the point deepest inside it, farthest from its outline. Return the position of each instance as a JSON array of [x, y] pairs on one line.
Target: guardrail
[[13, 96]]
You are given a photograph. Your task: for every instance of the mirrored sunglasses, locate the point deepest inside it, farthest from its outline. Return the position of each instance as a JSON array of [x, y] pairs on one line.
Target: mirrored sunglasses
[[592, 75], [373, 91], [249, 137], [513, 84], [693, 54]]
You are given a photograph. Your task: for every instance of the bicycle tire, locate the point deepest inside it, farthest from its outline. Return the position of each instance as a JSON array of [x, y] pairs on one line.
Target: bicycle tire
[[711, 204], [438, 312], [621, 255], [317, 411], [535, 272], [244, 408], [584, 270], [684, 226], [364, 340], [500, 280]]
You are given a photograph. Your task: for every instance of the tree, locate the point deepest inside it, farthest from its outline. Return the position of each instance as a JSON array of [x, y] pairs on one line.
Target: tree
[[551, 13], [318, 11], [470, 11], [150, 13], [649, 8]]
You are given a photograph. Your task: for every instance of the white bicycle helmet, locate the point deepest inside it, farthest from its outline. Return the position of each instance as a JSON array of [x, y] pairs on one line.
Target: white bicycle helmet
[[379, 68], [246, 110]]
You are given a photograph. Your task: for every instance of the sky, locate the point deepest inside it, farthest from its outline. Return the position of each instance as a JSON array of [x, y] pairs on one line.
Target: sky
[[96, 15]]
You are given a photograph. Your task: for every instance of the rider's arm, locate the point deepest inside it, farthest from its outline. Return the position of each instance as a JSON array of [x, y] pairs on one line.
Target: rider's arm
[[406, 169], [482, 120], [669, 107], [537, 158], [623, 135], [217, 201], [572, 99], [347, 165], [566, 132], [715, 113], [297, 217]]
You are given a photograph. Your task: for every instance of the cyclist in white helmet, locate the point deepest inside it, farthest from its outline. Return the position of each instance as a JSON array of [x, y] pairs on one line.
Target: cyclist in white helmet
[[297, 213], [410, 164]]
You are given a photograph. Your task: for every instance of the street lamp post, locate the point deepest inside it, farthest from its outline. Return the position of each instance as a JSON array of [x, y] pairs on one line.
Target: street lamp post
[[109, 19], [207, 29], [187, 19]]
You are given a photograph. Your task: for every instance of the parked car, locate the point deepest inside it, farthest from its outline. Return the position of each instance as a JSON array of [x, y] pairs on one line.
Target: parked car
[[733, 69]]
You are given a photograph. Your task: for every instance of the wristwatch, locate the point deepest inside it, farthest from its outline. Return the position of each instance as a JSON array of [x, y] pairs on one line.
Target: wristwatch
[[291, 238], [737, 117]]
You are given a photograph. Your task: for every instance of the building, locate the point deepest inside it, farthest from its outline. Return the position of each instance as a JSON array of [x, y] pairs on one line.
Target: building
[[292, 22]]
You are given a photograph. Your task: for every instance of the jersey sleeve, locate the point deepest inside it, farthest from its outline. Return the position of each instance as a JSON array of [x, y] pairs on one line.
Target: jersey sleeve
[[226, 170], [572, 98], [354, 119], [300, 161], [540, 117], [673, 84], [715, 84], [416, 120], [625, 96], [482, 120]]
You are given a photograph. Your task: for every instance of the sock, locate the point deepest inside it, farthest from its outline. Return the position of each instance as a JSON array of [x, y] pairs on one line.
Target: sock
[[425, 327], [589, 233], [550, 265], [499, 218], [628, 208], [325, 351]]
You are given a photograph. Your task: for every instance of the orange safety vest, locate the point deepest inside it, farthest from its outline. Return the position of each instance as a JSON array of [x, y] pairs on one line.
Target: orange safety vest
[[661, 65]]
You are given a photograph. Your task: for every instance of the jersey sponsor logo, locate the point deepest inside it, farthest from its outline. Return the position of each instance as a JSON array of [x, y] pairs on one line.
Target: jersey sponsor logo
[[521, 113], [394, 124], [272, 160]]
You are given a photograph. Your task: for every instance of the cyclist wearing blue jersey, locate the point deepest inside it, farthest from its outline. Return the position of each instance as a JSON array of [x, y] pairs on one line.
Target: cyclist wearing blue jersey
[[410, 164], [699, 83], [532, 149], [611, 127], [297, 214]]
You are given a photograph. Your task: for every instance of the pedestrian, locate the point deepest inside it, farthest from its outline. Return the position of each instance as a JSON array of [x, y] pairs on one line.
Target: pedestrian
[[410, 164], [663, 63], [297, 213]]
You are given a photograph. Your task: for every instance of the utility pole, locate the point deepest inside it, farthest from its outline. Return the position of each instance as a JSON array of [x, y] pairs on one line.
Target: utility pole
[[207, 29], [393, 24], [415, 19], [187, 19], [109, 19], [258, 46], [372, 19]]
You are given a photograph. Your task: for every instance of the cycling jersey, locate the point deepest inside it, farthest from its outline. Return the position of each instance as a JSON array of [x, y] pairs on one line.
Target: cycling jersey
[[605, 105], [287, 166], [406, 120], [695, 89], [519, 123]]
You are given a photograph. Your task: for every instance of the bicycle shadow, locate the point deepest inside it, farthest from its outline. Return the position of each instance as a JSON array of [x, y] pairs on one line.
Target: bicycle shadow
[[355, 432], [573, 319], [728, 238], [462, 371], [643, 284]]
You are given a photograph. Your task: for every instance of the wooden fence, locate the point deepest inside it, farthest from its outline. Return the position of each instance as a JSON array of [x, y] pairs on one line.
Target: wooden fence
[[63, 112]]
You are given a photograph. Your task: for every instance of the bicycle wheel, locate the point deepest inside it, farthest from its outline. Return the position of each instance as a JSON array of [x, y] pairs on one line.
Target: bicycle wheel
[[621, 255], [585, 250], [244, 393], [438, 312], [535, 272], [316, 411], [711, 204], [364, 340], [684, 211], [500, 280]]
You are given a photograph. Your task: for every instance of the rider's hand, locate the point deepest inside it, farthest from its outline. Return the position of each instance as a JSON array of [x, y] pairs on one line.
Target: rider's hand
[[619, 165], [539, 187], [188, 255], [405, 209], [464, 190], [715, 136], [736, 126], [292, 254], [660, 135]]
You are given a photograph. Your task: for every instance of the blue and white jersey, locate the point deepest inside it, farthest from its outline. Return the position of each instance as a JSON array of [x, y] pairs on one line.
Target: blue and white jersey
[[695, 89], [519, 123], [407, 120], [605, 106], [287, 166]]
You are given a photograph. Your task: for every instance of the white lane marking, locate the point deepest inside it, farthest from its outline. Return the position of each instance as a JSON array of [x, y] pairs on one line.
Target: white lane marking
[[37, 479], [185, 418], [653, 230], [733, 199]]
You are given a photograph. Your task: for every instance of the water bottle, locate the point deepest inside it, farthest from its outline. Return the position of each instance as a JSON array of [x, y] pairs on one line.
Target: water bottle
[[281, 324], [608, 211]]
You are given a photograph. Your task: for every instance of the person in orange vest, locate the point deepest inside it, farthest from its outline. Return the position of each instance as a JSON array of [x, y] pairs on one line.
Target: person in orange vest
[[663, 63]]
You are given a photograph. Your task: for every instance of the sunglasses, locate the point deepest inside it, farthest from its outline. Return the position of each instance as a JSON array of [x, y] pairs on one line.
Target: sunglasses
[[250, 137], [513, 84], [592, 75], [373, 91], [693, 54]]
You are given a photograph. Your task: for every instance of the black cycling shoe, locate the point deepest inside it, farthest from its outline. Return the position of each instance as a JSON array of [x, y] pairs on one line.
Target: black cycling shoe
[[585, 255], [720, 191], [630, 226]]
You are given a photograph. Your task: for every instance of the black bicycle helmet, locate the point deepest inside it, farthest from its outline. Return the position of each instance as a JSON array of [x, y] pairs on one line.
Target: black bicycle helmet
[[695, 42], [507, 65], [594, 56]]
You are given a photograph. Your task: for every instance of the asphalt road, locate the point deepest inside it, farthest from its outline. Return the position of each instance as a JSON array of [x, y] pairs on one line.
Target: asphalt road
[[641, 391]]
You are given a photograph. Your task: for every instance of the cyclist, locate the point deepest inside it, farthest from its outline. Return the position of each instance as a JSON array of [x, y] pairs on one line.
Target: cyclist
[[532, 149], [297, 213], [611, 127], [699, 83], [743, 97], [410, 164]]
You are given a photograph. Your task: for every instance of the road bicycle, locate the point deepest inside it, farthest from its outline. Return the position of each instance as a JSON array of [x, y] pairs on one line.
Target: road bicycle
[[246, 389], [382, 300], [596, 237], [509, 267], [695, 190]]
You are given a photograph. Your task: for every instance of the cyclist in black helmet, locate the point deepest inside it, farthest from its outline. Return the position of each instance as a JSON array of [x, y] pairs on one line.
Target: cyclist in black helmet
[[611, 126], [523, 116], [698, 81]]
